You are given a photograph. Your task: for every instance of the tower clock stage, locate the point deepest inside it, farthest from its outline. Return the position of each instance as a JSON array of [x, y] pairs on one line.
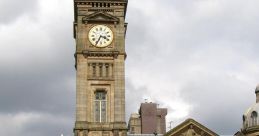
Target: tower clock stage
[[99, 32]]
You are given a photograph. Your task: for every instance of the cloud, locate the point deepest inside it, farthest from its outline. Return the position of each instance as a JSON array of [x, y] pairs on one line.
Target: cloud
[[192, 52], [10, 11], [37, 71], [35, 62], [31, 124]]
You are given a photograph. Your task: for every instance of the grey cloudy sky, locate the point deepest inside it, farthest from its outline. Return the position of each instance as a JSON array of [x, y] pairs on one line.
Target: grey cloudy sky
[[198, 58]]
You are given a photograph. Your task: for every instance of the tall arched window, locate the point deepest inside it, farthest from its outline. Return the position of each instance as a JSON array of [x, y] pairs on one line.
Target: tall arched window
[[254, 118], [100, 106]]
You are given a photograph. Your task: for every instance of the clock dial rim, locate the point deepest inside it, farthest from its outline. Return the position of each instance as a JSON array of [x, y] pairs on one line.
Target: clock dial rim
[[94, 42]]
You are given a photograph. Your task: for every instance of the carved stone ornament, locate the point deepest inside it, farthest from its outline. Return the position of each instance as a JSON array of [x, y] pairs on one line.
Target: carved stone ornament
[[190, 132], [100, 54]]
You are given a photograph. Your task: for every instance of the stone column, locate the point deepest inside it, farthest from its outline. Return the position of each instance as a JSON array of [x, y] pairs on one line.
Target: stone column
[[90, 70], [106, 69], [97, 67], [103, 70]]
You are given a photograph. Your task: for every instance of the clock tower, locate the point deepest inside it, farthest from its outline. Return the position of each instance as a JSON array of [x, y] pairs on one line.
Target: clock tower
[[99, 32]]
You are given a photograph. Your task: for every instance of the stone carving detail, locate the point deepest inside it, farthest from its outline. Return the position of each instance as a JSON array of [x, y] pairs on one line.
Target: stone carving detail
[[113, 54], [190, 132], [106, 4]]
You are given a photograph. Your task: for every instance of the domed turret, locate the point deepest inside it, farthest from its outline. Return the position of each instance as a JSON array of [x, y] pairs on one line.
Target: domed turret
[[250, 118]]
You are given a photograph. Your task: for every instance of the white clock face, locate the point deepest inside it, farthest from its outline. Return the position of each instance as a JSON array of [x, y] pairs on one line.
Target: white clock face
[[100, 36]]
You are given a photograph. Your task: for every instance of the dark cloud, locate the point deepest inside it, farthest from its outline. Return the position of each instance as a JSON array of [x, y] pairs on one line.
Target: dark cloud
[[43, 80], [216, 99], [200, 53], [33, 123], [38, 75], [55, 125]]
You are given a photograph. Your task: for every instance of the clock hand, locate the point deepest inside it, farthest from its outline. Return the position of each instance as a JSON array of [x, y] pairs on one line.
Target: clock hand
[[98, 40]]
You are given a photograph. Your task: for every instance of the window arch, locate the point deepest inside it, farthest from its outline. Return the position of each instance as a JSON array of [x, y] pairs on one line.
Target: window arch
[[254, 118], [100, 106]]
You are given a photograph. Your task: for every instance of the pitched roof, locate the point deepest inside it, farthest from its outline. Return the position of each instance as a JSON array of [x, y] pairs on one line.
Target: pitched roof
[[186, 124]]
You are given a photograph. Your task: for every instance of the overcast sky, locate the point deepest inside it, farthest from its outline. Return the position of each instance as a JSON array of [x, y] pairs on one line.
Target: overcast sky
[[198, 58]]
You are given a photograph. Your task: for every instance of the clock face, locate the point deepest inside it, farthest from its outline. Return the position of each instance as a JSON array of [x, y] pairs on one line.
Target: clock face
[[100, 36]]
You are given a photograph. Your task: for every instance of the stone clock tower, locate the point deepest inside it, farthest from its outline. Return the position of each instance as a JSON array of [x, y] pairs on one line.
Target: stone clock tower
[[99, 31]]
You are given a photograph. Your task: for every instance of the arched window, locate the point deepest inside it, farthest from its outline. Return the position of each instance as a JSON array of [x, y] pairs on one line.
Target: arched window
[[100, 106], [254, 118]]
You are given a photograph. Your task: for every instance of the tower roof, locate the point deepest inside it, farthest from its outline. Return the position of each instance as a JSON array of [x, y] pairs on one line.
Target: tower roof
[[190, 125]]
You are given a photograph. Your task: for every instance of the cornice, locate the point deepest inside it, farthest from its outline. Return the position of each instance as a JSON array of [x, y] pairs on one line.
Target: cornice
[[100, 126], [251, 129], [113, 54], [88, 2]]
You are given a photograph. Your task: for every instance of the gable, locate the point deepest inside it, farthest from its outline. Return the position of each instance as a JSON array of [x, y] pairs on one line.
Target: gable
[[190, 127], [100, 17]]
